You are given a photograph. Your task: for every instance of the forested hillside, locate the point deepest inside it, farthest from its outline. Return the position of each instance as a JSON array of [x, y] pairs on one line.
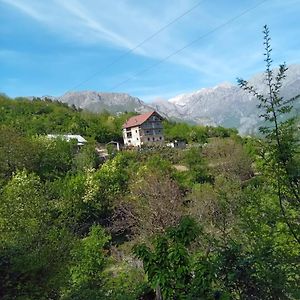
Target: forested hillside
[[217, 220], [40, 117], [205, 221]]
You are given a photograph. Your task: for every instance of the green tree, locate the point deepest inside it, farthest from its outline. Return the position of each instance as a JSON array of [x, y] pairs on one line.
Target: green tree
[[88, 261], [168, 265], [54, 157], [197, 165], [176, 131], [282, 147], [216, 207], [267, 241], [16, 152], [88, 197], [228, 157], [86, 158], [33, 252]]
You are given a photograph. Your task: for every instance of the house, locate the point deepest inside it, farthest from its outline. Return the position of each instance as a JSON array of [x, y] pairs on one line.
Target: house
[[68, 137], [145, 129]]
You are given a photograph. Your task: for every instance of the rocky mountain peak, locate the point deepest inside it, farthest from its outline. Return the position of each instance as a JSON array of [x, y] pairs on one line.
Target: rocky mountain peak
[[224, 104]]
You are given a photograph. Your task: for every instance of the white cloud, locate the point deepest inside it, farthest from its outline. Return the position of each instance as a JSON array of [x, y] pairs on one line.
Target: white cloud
[[25, 8], [124, 24], [95, 26]]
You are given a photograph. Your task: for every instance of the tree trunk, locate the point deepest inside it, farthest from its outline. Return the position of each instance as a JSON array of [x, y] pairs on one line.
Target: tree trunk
[[158, 295]]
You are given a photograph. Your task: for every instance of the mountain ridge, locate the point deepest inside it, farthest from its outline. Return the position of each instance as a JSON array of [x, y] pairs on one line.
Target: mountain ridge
[[222, 105]]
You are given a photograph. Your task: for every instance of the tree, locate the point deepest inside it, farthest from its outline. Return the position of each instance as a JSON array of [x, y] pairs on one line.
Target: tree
[[281, 144], [228, 157], [16, 152], [33, 252], [156, 206], [88, 197], [89, 258], [168, 265], [267, 241], [87, 158], [216, 208], [198, 168], [54, 157]]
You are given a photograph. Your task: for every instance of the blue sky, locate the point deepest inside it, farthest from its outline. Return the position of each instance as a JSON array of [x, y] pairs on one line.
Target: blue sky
[[48, 47]]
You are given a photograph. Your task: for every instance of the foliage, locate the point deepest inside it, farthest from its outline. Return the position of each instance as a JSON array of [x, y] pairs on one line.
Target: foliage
[[269, 242], [282, 146], [229, 158], [86, 158], [194, 133], [125, 282], [155, 206], [198, 168], [32, 249], [40, 117], [16, 153], [88, 260], [88, 198], [168, 266], [69, 220], [217, 208]]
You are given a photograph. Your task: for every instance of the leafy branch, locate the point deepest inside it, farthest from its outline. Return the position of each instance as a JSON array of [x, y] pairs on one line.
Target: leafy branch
[[281, 142]]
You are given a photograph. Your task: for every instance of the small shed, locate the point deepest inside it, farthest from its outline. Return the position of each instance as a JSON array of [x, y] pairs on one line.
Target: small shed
[[177, 144], [68, 137], [115, 144]]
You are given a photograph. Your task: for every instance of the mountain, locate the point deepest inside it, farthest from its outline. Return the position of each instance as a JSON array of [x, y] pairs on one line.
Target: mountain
[[98, 102], [226, 104]]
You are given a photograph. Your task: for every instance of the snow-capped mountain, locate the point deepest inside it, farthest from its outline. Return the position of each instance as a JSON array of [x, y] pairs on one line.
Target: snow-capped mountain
[[225, 104]]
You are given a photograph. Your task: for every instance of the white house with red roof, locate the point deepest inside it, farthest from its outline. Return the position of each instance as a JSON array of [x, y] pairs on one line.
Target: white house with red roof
[[144, 129]]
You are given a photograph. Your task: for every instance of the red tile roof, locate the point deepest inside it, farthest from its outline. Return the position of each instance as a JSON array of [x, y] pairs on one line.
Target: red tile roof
[[138, 120]]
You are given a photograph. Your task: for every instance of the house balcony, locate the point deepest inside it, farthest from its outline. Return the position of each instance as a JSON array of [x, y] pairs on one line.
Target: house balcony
[[152, 126], [151, 132]]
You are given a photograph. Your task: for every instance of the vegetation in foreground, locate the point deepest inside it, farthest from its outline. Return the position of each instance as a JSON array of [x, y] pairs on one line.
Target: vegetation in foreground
[[138, 227]]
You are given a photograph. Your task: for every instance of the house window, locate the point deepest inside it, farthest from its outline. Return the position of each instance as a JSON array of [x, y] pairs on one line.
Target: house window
[[136, 131], [129, 141], [153, 139], [160, 137], [148, 139], [129, 134], [137, 139]]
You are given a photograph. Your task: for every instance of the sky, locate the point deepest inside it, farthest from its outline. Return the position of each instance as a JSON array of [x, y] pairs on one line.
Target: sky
[[50, 47]]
